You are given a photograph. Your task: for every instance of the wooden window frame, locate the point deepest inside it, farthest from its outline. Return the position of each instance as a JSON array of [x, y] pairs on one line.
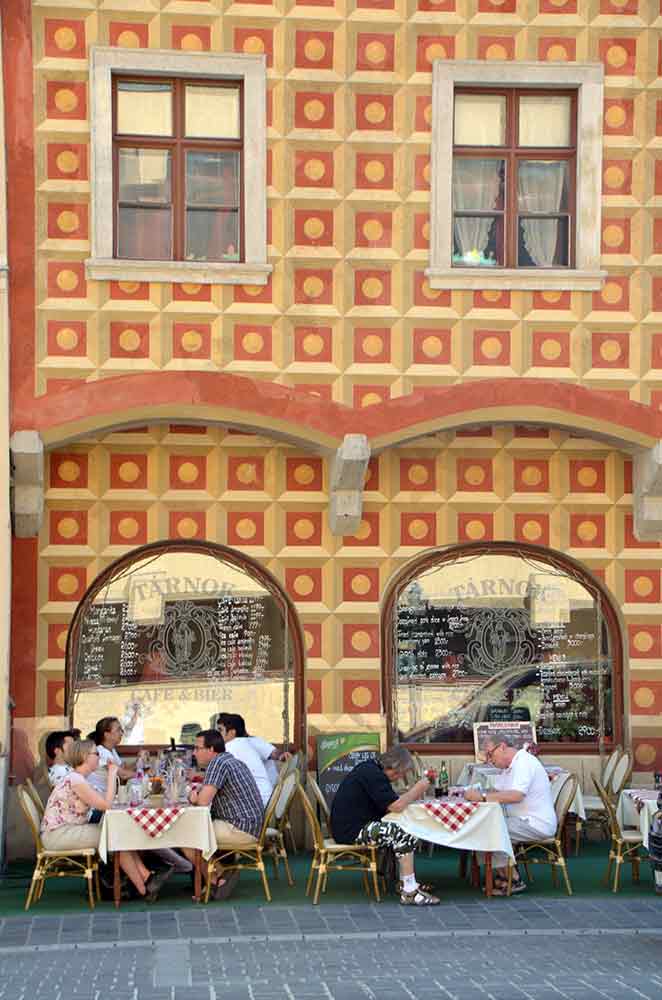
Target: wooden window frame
[[512, 153], [178, 144]]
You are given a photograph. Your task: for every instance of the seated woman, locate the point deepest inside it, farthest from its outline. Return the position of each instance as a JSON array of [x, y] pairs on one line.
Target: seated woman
[[65, 827]]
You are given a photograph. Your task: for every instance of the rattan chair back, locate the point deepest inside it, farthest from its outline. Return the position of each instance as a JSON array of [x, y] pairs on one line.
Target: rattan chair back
[[34, 795], [319, 798], [313, 822], [610, 809], [286, 789], [564, 800], [610, 764], [620, 775], [31, 813]]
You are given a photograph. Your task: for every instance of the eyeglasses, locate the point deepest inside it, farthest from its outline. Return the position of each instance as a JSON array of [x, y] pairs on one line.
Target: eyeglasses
[[489, 755]]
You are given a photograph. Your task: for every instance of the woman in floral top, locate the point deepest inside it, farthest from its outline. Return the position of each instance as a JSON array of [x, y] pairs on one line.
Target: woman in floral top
[[65, 823]]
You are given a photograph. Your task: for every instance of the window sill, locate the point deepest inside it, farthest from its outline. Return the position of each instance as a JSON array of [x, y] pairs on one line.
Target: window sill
[[525, 279], [231, 273]]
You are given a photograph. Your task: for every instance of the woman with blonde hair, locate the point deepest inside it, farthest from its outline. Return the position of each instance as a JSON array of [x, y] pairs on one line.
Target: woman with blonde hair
[[65, 823]]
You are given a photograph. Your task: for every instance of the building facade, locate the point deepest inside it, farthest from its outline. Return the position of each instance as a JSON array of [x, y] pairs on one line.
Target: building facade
[[503, 368]]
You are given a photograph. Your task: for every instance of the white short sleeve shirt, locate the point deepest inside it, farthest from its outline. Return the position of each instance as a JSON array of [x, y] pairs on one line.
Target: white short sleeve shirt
[[99, 778], [527, 775], [265, 750], [240, 747]]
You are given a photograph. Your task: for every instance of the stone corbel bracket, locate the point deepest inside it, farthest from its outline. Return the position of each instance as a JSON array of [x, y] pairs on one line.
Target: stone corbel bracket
[[647, 489], [347, 477], [27, 458]]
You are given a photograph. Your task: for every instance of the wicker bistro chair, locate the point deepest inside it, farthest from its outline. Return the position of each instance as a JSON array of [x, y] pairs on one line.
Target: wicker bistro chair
[[79, 862], [625, 844], [620, 776], [287, 790], [31, 789], [325, 812], [550, 850], [230, 858], [329, 856]]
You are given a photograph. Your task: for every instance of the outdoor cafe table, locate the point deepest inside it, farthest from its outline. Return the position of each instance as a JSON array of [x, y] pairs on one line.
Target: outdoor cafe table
[[121, 832], [487, 776], [484, 830], [636, 807]]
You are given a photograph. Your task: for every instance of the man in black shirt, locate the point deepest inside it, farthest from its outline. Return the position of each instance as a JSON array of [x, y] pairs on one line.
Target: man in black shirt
[[361, 810]]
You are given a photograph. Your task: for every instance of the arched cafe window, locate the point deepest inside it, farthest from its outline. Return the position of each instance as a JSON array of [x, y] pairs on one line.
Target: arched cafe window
[[175, 632], [500, 632]]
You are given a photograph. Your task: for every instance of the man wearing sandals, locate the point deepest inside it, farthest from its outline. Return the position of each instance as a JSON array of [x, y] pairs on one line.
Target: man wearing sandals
[[361, 809], [524, 790]]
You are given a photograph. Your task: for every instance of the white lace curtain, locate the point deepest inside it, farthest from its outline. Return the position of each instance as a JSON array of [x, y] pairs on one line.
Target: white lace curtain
[[476, 187], [540, 189]]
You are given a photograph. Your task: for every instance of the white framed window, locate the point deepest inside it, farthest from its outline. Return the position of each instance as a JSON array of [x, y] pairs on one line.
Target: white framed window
[[514, 205], [178, 156]]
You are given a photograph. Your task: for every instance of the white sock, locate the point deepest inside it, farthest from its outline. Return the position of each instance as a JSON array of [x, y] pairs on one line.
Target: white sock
[[409, 883]]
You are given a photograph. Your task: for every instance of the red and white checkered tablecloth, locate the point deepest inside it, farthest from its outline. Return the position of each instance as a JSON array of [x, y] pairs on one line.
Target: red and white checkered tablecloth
[[155, 820], [451, 814]]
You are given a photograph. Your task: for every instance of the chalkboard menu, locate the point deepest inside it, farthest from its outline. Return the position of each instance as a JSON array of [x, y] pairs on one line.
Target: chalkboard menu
[[226, 638], [338, 754]]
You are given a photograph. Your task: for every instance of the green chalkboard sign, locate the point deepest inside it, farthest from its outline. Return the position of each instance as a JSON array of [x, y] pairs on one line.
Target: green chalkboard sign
[[338, 754]]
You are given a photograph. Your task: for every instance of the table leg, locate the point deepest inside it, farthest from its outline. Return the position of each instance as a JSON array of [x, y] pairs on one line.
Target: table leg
[[475, 871], [197, 877], [488, 874], [117, 883], [463, 864]]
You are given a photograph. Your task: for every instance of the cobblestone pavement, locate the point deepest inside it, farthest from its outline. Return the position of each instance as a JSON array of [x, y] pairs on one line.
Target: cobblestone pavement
[[517, 949]]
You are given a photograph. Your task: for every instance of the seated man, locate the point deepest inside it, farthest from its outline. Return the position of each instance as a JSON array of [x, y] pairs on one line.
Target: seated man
[[266, 751], [56, 746], [361, 809], [228, 787], [237, 743], [524, 789]]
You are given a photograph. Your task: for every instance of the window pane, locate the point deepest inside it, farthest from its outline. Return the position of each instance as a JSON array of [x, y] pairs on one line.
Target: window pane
[[477, 241], [212, 179], [477, 184], [542, 186], [480, 120], [544, 120], [543, 243], [144, 176], [212, 235], [145, 233], [144, 108], [213, 112]]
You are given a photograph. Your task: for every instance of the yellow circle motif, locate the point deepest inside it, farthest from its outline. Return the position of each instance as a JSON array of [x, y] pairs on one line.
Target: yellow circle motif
[[61, 641], [587, 476], [375, 171], [191, 341], [128, 527], [428, 291], [66, 280], [645, 754], [642, 642], [252, 342], [426, 172], [551, 349], [66, 338], [418, 474], [360, 641], [643, 586], [246, 473], [67, 527], [188, 472], [67, 161], [304, 529], [314, 110], [435, 51], [66, 100], [361, 696], [375, 112], [551, 297], [189, 288], [304, 474], [68, 471], [67, 584], [531, 475], [363, 531], [65, 39], [557, 53], [496, 51], [129, 472], [491, 295], [246, 528], [253, 45], [475, 530], [309, 640], [491, 348], [372, 345], [68, 222], [372, 288], [531, 530], [613, 236], [360, 584], [313, 344], [615, 116], [314, 50], [427, 114], [373, 230], [432, 346], [314, 169], [370, 399], [191, 43], [610, 350], [310, 697], [187, 527], [304, 585], [644, 697], [425, 232], [129, 287], [59, 698], [474, 475], [587, 531], [617, 56], [375, 52], [129, 340], [418, 529], [313, 287], [128, 39], [313, 228]]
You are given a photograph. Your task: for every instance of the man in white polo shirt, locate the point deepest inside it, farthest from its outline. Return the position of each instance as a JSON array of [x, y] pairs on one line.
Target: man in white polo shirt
[[238, 744], [524, 790]]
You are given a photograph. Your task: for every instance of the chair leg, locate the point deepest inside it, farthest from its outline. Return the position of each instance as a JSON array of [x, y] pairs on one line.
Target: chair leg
[[564, 870], [265, 882], [89, 876], [290, 832], [578, 834], [617, 873], [321, 876], [32, 897], [375, 881], [286, 862], [96, 881], [635, 867]]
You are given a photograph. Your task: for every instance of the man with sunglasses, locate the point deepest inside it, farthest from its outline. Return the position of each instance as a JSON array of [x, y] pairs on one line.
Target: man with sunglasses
[[523, 788]]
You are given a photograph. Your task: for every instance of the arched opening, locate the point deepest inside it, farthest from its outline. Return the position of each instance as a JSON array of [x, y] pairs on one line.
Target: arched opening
[[173, 633], [499, 632]]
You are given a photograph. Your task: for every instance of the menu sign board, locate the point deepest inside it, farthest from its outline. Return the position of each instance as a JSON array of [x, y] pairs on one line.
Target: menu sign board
[[516, 733], [338, 754]]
